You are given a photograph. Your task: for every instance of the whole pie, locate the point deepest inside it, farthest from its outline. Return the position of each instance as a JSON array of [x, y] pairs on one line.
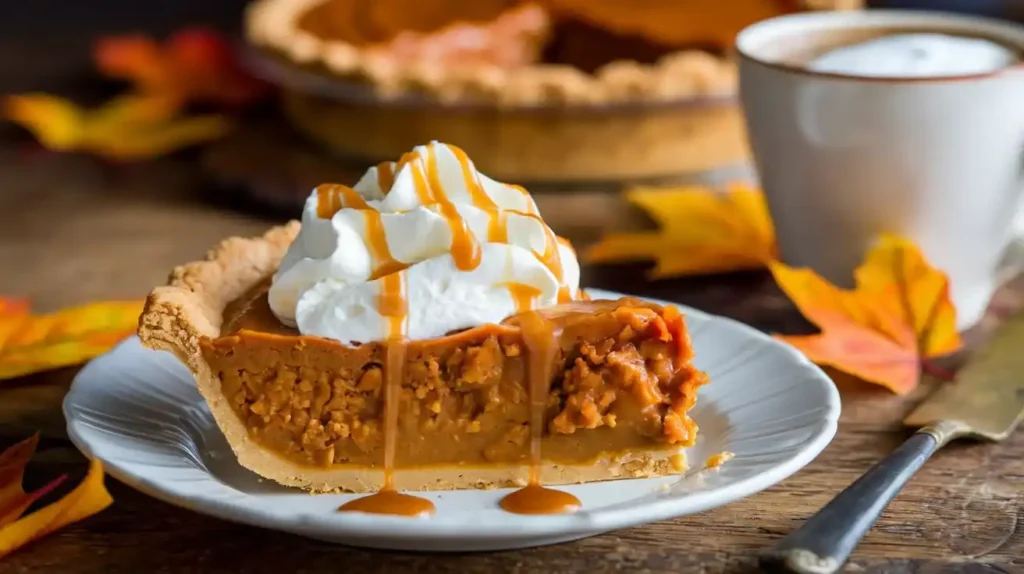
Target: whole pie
[[423, 330], [516, 52], [541, 91]]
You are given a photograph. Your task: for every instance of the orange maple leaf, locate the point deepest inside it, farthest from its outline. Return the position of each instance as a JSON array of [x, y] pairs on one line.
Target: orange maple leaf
[[16, 530], [898, 315], [128, 127], [701, 231], [194, 65], [31, 343]]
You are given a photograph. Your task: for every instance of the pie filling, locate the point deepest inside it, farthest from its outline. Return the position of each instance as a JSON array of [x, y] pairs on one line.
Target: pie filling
[[621, 381]]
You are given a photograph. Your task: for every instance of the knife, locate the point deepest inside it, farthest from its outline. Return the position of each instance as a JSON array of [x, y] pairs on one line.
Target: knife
[[986, 401]]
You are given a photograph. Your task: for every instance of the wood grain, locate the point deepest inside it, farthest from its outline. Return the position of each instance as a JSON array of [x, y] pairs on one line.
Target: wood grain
[[72, 230]]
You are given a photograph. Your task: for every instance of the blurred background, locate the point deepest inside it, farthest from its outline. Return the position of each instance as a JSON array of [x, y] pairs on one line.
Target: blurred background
[[47, 40]]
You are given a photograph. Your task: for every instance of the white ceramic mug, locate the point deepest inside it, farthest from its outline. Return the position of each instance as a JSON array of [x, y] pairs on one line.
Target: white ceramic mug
[[843, 159]]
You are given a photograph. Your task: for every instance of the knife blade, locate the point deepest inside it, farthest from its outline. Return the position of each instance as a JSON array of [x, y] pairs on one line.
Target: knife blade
[[986, 399]]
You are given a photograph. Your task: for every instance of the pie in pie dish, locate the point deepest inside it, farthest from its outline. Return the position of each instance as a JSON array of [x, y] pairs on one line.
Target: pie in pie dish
[[425, 330], [515, 52], [541, 91]]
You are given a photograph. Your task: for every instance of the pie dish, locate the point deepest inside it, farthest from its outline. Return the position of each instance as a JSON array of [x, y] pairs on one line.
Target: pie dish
[[551, 91], [309, 410]]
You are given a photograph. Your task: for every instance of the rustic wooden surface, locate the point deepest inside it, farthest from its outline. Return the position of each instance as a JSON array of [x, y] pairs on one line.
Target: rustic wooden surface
[[73, 230]]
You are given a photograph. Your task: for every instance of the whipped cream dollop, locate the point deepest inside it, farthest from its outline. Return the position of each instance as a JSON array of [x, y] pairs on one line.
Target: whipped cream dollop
[[916, 55], [417, 249]]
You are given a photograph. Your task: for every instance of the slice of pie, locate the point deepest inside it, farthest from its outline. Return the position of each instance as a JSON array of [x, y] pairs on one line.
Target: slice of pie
[[425, 329]]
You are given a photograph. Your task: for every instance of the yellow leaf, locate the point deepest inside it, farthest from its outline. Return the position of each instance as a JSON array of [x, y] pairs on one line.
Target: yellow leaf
[[32, 343], [56, 122], [86, 499], [127, 127], [898, 315], [897, 270], [701, 231]]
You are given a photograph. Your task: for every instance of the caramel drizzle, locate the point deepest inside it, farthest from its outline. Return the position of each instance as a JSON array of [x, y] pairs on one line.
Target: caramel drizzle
[[465, 248], [551, 258], [385, 176], [523, 295], [541, 341], [531, 208], [538, 333], [392, 304], [497, 225], [332, 198], [377, 243], [497, 230]]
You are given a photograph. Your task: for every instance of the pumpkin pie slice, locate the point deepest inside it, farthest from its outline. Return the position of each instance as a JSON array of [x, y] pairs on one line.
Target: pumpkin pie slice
[[338, 354]]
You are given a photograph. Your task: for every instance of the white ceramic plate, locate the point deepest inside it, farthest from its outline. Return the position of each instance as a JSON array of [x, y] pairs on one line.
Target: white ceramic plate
[[139, 412]]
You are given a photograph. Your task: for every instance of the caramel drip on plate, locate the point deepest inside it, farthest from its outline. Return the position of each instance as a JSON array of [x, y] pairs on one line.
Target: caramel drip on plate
[[392, 304], [332, 197], [524, 295], [541, 343], [389, 501]]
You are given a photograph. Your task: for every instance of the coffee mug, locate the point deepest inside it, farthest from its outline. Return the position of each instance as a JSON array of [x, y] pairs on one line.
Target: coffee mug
[[843, 159]]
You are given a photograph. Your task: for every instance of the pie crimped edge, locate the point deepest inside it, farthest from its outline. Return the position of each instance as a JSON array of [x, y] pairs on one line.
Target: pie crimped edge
[[178, 316], [691, 73], [273, 24]]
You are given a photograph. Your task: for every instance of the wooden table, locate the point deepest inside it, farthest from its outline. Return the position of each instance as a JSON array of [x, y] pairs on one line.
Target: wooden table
[[73, 231]]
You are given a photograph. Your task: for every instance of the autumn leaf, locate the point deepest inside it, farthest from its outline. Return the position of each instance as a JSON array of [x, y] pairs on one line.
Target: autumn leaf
[[701, 231], [128, 127], [16, 530], [31, 343], [13, 498], [193, 65], [898, 315]]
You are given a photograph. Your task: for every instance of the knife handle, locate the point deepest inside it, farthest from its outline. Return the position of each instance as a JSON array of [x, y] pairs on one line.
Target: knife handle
[[825, 541]]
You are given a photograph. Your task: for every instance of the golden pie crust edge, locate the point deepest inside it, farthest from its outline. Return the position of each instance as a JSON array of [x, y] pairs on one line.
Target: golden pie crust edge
[[273, 25], [179, 315]]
